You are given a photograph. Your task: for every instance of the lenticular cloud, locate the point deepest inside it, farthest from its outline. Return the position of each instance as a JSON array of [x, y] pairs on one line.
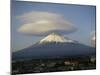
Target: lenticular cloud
[[43, 23]]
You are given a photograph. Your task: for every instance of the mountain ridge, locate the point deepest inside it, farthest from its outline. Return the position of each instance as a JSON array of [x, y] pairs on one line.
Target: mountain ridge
[[54, 48]]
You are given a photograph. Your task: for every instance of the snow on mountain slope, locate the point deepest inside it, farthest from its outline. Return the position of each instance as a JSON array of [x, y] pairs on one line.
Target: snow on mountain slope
[[53, 37]]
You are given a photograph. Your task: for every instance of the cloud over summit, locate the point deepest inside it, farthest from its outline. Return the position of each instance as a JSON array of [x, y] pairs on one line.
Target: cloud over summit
[[44, 23]]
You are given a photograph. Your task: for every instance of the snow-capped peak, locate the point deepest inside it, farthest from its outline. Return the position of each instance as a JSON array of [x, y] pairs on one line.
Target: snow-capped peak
[[53, 37]]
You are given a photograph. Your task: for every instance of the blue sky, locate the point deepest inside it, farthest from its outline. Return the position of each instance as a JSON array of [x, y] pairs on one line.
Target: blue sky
[[82, 17]]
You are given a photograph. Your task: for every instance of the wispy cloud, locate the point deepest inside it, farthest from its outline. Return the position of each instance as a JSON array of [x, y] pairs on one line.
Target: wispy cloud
[[43, 23], [93, 38]]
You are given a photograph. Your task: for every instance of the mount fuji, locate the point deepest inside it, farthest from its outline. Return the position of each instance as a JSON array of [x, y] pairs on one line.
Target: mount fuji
[[54, 46]]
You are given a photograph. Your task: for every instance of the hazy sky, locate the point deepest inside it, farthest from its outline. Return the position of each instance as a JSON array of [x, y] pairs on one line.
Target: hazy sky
[[81, 17]]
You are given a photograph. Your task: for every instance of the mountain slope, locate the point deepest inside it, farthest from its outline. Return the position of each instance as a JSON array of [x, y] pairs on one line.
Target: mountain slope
[[54, 46]]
